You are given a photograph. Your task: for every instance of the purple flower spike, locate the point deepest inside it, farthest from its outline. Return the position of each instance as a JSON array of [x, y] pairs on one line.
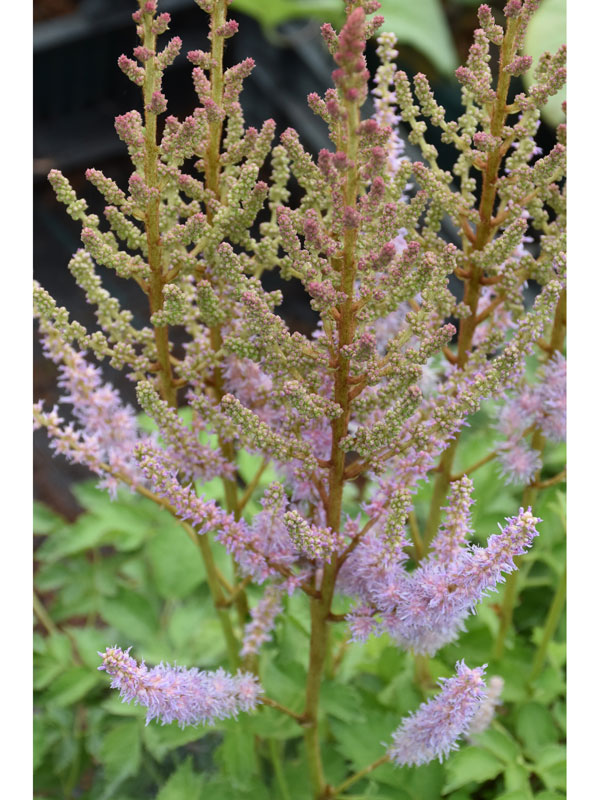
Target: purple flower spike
[[176, 693], [433, 731]]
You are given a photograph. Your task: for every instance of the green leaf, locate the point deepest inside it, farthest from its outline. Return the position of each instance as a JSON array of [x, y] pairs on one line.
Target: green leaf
[[499, 743], [423, 25], [277, 11], [71, 686], [183, 784], [362, 750], [195, 634], [287, 686], [516, 778], [236, 754], [85, 533], [224, 787], [535, 726], [57, 656], [271, 724], [341, 701], [121, 754], [45, 520], [131, 614], [162, 739], [547, 31], [425, 782], [517, 794], [549, 685], [550, 764], [471, 764], [176, 563], [89, 641], [44, 736]]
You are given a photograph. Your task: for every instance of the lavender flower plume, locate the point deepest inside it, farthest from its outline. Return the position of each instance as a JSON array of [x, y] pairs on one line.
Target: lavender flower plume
[[188, 696], [434, 729], [425, 609]]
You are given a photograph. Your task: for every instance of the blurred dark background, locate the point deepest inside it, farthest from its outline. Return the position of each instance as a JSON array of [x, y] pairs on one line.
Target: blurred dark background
[[78, 90]]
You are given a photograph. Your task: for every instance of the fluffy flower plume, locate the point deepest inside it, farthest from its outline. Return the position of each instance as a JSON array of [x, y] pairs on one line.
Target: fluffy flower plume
[[187, 696], [425, 609], [434, 729]]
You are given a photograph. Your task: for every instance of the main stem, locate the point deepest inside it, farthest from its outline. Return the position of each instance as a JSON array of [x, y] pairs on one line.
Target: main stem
[[320, 607], [484, 233]]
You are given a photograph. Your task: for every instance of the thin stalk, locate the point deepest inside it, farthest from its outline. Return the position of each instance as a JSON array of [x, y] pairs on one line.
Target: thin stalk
[[43, 616], [358, 776], [212, 172], [423, 677], [482, 461], [219, 602], [418, 546], [275, 757], [550, 626], [152, 223], [267, 701]]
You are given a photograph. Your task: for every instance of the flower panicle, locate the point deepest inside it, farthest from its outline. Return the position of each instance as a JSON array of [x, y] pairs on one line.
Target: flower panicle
[[435, 728], [177, 694]]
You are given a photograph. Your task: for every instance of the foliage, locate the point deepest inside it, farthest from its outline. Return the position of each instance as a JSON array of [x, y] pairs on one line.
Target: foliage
[[110, 577]]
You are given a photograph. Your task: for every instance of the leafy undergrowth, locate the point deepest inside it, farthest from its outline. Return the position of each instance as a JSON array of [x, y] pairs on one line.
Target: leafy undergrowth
[[125, 572]]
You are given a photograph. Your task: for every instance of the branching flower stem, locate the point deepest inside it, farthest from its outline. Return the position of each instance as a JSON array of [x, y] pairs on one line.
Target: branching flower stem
[[338, 790], [485, 231], [212, 170], [151, 221]]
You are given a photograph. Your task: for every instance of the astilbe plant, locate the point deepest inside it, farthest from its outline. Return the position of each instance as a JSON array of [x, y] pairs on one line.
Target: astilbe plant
[[383, 387]]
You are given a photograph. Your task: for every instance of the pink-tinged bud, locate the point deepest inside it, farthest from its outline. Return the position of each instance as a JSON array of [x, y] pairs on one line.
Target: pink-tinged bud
[[368, 127], [386, 254], [371, 6], [200, 58], [512, 8], [352, 76], [161, 23], [332, 105], [329, 37], [158, 103], [230, 28], [134, 72], [143, 54], [137, 16], [351, 218], [325, 162], [150, 7], [519, 66], [340, 161], [485, 141]]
